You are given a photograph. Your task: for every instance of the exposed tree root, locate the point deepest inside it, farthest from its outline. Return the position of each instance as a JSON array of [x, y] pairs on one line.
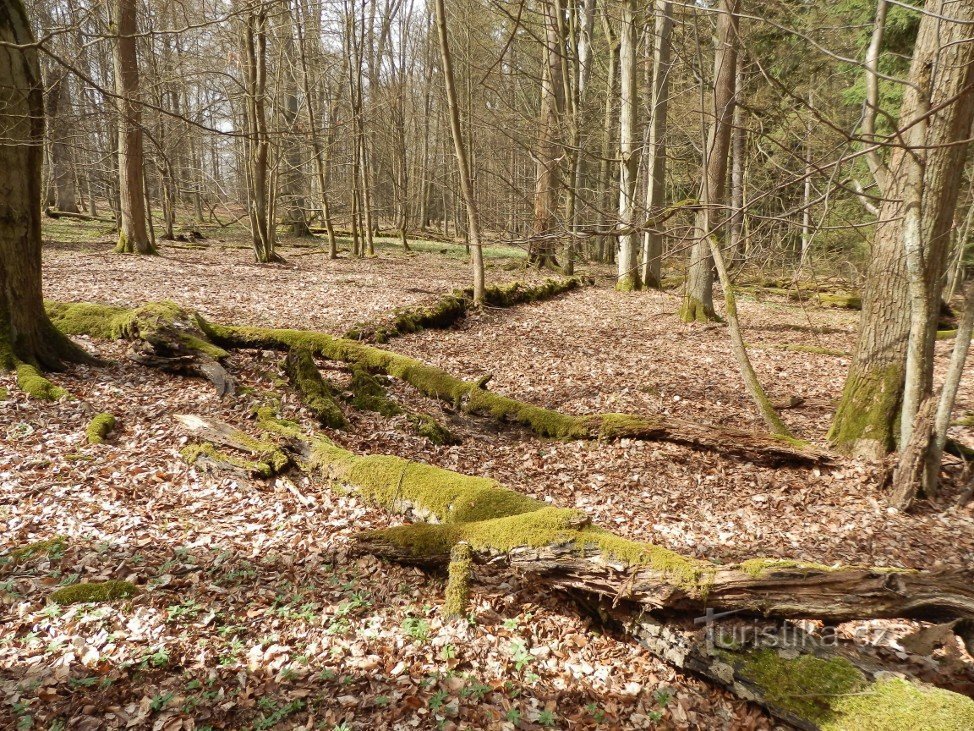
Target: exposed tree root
[[184, 331], [474, 521], [452, 308]]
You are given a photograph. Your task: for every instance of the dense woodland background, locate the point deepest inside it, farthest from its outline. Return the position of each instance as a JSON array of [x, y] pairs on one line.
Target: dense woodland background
[[364, 322]]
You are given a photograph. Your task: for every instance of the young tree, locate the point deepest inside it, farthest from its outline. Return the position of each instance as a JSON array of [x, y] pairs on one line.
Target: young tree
[[656, 147], [26, 334], [627, 278], [260, 190], [133, 236], [698, 303], [466, 188]]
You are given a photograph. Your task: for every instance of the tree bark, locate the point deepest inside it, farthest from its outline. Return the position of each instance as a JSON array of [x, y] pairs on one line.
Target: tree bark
[[62, 155], [905, 271], [656, 147], [133, 237], [627, 275], [26, 333]]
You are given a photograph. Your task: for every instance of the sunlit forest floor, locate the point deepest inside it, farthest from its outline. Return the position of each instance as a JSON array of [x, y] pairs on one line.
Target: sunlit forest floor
[[253, 615]]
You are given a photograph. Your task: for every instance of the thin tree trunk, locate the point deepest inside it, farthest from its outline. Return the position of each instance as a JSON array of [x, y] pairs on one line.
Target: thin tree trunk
[[698, 304], [466, 188], [656, 148], [627, 276]]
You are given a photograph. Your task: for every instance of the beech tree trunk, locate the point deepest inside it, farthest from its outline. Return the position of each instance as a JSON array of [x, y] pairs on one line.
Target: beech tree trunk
[[466, 187], [61, 154], [698, 303], [915, 218], [627, 277], [550, 152], [133, 236], [26, 334], [656, 147]]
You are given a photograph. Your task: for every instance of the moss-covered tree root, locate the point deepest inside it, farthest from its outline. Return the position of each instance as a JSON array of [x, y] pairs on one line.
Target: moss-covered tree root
[[451, 308], [94, 591], [468, 519]]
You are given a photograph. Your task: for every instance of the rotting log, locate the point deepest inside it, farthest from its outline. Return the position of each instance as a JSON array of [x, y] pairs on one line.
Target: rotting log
[[316, 393], [204, 338], [162, 335], [801, 679], [453, 307]]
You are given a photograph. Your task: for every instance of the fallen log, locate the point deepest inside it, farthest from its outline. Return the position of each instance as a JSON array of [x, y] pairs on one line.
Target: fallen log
[[453, 307], [801, 679], [162, 335], [206, 339]]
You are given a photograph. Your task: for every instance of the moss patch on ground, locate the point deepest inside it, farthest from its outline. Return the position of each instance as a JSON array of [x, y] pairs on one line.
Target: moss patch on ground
[[35, 385], [95, 591], [99, 428], [50, 547]]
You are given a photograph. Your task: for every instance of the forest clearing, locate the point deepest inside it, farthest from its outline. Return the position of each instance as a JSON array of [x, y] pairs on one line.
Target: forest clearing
[[492, 364]]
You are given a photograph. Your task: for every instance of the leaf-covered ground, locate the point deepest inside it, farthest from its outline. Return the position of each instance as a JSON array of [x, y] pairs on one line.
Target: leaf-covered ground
[[252, 614]]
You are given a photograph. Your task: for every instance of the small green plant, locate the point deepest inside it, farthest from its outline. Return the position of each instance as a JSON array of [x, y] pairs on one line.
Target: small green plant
[[662, 697], [519, 653], [271, 720], [417, 628], [547, 718], [437, 700], [513, 715], [187, 609], [597, 714], [476, 690], [449, 652], [160, 701]]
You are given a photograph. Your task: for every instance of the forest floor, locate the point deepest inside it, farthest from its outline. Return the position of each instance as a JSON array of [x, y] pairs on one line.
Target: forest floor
[[253, 615]]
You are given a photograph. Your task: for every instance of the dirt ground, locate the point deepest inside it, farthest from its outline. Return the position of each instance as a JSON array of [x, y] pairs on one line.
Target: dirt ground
[[253, 615]]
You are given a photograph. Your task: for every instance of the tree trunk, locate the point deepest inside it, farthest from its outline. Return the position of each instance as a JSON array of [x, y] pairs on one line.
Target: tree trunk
[[62, 156], [698, 304], [294, 177], [656, 148], [26, 333], [260, 192], [466, 187], [627, 276], [550, 151], [133, 237], [913, 230]]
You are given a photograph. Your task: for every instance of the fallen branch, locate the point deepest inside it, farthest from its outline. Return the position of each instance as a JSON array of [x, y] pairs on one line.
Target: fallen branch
[[451, 308], [809, 685], [202, 338]]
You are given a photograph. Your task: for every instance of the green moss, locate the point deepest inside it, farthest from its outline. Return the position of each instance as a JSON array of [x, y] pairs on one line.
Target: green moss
[[4, 394], [426, 426], [192, 453], [616, 426], [50, 547], [946, 334], [868, 409], [31, 382], [544, 422], [835, 695], [628, 283], [368, 394], [693, 310], [317, 394], [806, 685], [893, 704], [691, 575], [86, 318], [967, 421], [841, 301], [759, 566], [95, 591], [99, 428], [457, 596], [202, 346]]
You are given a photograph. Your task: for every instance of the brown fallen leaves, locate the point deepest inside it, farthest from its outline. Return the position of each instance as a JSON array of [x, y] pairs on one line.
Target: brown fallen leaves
[[251, 613]]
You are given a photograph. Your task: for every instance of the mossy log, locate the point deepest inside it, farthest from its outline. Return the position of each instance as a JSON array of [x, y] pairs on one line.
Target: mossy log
[[317, 394], [453, 307], [191, 332], [99, 428], [472, 521], [473, 398], [270, 459], [162, 334]]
